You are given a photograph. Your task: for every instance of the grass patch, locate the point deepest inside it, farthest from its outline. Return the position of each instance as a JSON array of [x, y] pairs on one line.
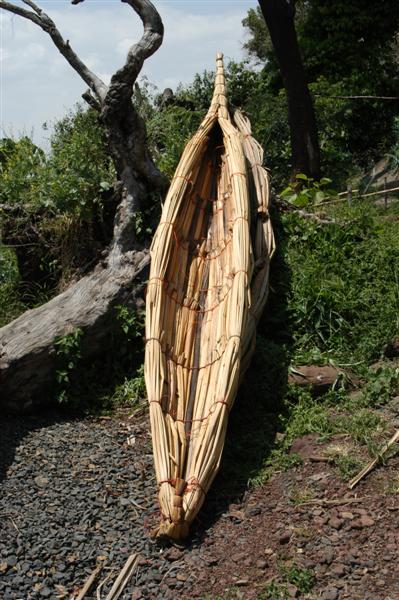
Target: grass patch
[[348, 466], [393, 487], [300, 495], [334, 300], [344, 296], [277, 589]]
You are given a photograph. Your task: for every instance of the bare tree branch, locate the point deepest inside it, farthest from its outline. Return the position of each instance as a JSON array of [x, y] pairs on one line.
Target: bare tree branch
[[118, 113], [121, 86], [22, 12], [90, 99], [33, 6], [41, 19]]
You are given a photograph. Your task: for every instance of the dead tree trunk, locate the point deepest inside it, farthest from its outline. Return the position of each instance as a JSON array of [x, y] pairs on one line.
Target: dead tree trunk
[[27, 345]]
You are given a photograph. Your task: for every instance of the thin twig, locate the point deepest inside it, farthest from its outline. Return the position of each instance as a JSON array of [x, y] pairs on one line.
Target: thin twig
[[137, 504], [372, 464], [43, 21], [124, 577], [280, 203], [337, 502], [318, 458], [101, 585], [335, 200], [89, 583], [358, 97], [8, 516]]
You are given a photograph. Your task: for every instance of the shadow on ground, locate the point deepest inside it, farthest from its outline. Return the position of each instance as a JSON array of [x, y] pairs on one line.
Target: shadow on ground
[[255, 418], [14, 429]]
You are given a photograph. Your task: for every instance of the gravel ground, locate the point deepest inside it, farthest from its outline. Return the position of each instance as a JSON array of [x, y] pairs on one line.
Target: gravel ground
[[75, 494]]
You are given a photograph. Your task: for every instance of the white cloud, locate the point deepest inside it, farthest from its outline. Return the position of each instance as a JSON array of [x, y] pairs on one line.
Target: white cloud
[[38, 85]]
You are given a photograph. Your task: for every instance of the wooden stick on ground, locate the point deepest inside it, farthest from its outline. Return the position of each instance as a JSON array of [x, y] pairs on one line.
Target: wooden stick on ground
[[89, 583], [101, 585], [333, 502], [371, 465], [124, 577]]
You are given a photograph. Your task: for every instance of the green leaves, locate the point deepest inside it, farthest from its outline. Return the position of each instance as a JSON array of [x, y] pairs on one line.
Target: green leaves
[[68, 351], [344, 299], [306, 191], [70, 179]]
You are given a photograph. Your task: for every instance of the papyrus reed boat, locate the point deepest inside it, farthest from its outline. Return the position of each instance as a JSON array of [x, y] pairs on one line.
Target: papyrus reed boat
[[208, 285]]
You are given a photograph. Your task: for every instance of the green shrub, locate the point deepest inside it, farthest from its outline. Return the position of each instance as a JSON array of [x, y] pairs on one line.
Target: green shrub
[[344, 297], [10, 305]]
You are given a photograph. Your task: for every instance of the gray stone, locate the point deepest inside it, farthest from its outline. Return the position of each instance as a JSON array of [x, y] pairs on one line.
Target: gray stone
[[331, 593]]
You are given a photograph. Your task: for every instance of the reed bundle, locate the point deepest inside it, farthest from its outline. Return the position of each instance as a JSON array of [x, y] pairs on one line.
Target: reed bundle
[[208, 285]]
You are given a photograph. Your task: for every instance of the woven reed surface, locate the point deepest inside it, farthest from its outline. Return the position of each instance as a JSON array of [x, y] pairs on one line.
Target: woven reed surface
[[208, 285]]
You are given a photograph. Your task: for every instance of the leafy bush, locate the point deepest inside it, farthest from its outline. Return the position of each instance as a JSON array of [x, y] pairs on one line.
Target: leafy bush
[[68, 351], [169, 130], [79, 165], [10, 305], [306, 191], [54, 207], [70, 179], [344, 297]]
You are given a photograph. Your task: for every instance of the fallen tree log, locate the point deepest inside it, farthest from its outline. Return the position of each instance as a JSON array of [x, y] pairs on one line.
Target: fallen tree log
[[27, 345], [28, 356]]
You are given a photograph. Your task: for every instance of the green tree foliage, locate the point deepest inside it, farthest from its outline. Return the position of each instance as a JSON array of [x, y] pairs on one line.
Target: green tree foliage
[[258, 44], [52, 210], [21, 163], [70, 179], [348, 48], [170, 127], [80, 166], [355, 39]]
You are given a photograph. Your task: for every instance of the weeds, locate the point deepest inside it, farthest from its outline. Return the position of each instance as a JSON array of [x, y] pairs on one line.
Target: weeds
[[393, 487], [303, 579], [363, 426], [68, 351], [277, 589], [348, 466], [131, 391], [344, 298], [382, 384]]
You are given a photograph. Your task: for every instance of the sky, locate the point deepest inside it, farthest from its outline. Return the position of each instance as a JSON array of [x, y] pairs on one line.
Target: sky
[[38, 86]]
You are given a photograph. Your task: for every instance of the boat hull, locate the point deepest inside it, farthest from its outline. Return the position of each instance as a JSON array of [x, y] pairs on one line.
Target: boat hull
[[207, 287]]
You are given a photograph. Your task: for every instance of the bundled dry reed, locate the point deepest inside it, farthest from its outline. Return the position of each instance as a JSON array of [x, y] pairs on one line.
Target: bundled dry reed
[[208, 285]]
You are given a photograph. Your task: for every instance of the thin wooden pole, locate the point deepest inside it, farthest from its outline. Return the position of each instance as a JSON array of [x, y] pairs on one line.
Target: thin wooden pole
[[385, 194], [349, 197]]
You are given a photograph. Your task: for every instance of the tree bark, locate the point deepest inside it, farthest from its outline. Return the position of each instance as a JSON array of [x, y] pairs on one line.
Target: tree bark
[[279, 16], [27, 344], [28, 359]]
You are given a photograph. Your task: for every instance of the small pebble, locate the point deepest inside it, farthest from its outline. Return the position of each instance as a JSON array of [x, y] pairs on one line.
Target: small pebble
[[285, 537]]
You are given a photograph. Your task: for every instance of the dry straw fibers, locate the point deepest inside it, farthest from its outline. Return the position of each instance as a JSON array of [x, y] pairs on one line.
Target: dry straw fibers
[[208, 285]]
